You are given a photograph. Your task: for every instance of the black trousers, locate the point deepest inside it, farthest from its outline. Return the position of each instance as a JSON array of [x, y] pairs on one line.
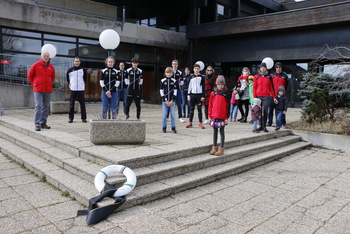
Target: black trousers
[[265, 103], [196, 101], [133, 95], [77, 96], [222, 137], [244, 103]]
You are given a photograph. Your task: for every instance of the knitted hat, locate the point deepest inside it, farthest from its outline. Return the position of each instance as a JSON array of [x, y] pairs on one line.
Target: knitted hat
[[220, 80], [281, 88], [278, 64], [263, 65], [251, 78], [257, 101]]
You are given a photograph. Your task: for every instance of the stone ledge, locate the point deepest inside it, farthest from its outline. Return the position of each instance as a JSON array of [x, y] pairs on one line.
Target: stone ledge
[[330, 141], [103, 131], [62, 107]]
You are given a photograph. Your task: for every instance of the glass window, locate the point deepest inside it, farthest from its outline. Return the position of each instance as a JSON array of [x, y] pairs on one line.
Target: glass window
[[61, 38], [88, 41], [145, 56], [20, 33], [220, 9], [153, 21], [92, 51], [21, 44], [123, 54], [63, 48]]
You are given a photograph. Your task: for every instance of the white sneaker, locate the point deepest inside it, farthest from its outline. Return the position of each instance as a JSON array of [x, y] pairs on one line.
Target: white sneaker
[[206, 121], [181, 120]]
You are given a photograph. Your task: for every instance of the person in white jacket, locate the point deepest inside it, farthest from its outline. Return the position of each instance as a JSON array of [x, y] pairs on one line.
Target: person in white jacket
[[76, 78]]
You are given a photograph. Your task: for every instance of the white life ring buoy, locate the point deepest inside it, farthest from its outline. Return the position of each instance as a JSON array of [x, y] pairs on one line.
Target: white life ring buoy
[[128, 185]]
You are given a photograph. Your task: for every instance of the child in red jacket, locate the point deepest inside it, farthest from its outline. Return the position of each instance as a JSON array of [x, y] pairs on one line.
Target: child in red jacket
[[218, 112]]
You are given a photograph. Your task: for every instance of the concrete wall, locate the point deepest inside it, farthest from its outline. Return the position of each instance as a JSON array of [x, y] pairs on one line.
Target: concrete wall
[[18, 95], [39, 17], [330, 141]]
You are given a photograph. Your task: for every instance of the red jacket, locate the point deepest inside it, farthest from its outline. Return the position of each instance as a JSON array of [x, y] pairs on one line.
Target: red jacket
[[218, 104], [242, 77], [263, 87], [279, 79], [41, 77]]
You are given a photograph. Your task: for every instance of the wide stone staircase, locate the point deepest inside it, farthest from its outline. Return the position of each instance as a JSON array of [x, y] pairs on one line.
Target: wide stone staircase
[[71, 164]]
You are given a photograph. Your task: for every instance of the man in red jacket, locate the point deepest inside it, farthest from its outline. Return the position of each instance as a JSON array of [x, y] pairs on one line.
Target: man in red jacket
[[263, 89], [41, 76], [279, 78]]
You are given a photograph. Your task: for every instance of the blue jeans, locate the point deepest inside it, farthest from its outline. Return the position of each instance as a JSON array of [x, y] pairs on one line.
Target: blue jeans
[[272, 108], [42, 107], [165, 111], [124, 93], [109, 103], [279, 115], [233, 111], [255, 124]]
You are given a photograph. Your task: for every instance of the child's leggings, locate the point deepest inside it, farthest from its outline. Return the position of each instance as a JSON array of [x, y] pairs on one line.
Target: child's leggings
[[222, 137]]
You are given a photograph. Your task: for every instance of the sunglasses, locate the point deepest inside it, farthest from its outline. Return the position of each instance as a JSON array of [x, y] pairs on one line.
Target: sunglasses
[[209, 70]]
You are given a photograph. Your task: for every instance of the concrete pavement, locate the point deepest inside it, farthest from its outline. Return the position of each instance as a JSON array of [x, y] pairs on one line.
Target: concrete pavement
[[306, 192]]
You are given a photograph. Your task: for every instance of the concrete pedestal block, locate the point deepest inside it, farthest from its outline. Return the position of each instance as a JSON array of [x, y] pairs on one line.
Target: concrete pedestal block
[[117, 131], [62, 107]]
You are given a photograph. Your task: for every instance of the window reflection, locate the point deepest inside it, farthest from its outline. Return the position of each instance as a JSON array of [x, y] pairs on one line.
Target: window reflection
[[21, 44], [20, 33], [60, 38]]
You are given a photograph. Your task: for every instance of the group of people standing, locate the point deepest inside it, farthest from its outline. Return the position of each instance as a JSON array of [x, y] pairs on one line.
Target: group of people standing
[[117, 84], [262, 94], [123, 84]]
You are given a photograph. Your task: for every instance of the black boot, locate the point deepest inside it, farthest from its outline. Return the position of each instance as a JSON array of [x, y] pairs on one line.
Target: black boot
[[164, 130]]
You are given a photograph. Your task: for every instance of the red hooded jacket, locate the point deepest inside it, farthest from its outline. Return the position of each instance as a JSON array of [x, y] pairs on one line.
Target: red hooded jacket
[[279, 79], [219, 104], [41, 77], [263, 87]]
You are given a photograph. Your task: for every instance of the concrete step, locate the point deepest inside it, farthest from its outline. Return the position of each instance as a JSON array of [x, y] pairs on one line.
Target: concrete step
[[167, 187], [62, 159], [82, 190], [106, 155], [181, 166], [147, 174], [79, 188]]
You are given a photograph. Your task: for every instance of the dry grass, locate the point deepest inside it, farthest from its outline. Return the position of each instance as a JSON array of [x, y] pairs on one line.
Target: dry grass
[[341, 127]]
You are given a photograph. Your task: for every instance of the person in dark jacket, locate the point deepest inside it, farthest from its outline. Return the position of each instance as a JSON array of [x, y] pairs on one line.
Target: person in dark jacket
[[210, 79], [134, 82], [279, 79], [41, 76], [109, 83], [76, 78], [168, 92], [187, 78], [280, 107], [123, 87], [177, 75]]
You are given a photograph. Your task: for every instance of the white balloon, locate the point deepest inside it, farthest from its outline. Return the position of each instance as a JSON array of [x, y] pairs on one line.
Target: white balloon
[[51, 49], [109, 39], [269, 62], [201, 65]]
